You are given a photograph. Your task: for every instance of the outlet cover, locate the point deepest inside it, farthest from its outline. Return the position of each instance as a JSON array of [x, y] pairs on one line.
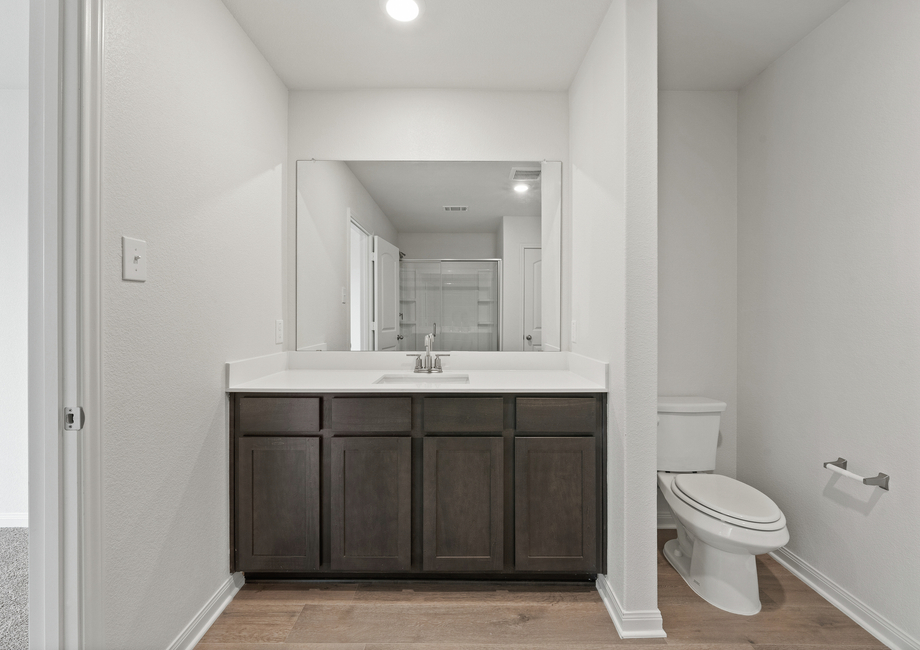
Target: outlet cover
[[574, 331], [279, 331], [133, 259]]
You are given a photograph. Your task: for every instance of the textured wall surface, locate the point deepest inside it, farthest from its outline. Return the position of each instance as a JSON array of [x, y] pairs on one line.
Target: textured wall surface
[[14, 271], [14, 315], [613, 107], [829, 298], [698, 253], [194, 148]]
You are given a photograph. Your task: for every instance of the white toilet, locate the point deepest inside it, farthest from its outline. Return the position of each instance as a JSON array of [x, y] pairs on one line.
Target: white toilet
[[721, 523]]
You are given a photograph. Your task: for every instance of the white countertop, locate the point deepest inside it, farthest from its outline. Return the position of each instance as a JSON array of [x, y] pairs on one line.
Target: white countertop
[[357, 372]]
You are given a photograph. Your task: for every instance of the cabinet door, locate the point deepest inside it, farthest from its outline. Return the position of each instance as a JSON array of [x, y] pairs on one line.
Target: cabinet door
[[463, 499], [371, 503], [555, 485], [278, 504]]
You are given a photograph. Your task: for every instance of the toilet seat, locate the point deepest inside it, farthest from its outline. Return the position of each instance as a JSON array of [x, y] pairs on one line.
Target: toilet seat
[[728, 500]]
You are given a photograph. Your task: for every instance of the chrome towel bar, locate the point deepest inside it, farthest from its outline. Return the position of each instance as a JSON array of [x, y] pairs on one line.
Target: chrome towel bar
[[840, 466]]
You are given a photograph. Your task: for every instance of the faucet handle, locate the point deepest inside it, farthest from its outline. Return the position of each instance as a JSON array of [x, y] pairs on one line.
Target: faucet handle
[[437, 361], [418, 361]]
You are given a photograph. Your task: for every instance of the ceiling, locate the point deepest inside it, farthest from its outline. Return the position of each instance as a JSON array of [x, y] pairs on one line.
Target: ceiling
[[488, 44], [506, 44], [724, 44], [413, 194]]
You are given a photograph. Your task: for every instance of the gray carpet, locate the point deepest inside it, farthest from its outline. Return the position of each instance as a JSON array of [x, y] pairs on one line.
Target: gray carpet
[[14, 588]]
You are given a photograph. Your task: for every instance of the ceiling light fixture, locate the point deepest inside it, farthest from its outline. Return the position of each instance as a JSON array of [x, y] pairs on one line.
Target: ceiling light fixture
[[521, 188], [402, 10]]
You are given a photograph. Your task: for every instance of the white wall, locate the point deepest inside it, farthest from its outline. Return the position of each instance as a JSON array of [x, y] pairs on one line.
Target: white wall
[[326, 190], [14, 158], [448, 245], [194, 148], [517, 232], [613, 134], [422, 125], [697, 253], [556, 277], [829, 298]]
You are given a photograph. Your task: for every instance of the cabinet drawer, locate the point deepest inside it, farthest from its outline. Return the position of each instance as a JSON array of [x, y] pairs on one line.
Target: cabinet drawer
[[371, 414], [459, 414], [556, 414], [278, 414]]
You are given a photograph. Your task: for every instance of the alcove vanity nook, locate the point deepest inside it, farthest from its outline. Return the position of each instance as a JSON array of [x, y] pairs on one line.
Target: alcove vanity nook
[[349, 465]]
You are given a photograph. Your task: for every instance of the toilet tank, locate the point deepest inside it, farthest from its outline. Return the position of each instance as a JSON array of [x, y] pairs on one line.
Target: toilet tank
[[688, 433]]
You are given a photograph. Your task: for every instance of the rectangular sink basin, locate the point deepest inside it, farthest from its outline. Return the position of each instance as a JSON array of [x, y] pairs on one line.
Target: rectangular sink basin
[[423, 378]]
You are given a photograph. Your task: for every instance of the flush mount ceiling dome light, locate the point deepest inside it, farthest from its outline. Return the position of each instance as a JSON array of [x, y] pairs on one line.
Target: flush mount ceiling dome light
[[403, 10], [521, 187]]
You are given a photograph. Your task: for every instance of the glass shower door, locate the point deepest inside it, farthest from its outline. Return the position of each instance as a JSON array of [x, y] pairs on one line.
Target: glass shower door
[[419, 302], [456, 300], [469, 305]]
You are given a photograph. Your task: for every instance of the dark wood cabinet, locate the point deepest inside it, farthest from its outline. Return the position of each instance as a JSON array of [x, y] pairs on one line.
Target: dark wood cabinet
[[371, 503], [554, 510], [556, 414], [402, 485], [273, 415], [464, 414], [367, 414], [463, 504], [278, 504]]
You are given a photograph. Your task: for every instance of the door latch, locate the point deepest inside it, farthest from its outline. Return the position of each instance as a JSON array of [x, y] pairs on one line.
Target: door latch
[[73, 418]]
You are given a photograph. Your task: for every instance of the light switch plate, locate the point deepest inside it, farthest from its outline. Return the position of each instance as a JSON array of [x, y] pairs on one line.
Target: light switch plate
[[574, 331], [133, 259], [279, 331]]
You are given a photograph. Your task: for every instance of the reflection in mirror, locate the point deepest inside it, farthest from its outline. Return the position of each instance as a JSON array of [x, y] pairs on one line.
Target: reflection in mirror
[[389, 252]]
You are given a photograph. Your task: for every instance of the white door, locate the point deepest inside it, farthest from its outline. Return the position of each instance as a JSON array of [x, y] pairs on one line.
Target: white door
[[533, 305], [386, 294]]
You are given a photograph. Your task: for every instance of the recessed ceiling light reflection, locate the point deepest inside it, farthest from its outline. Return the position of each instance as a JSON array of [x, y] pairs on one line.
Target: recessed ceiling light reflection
[[521, 188], [402, 10]]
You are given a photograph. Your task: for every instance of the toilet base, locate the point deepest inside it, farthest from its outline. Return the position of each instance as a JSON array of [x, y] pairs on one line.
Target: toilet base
[[726, 580]]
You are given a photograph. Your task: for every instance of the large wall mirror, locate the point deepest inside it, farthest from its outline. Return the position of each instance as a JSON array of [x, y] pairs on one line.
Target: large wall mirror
[[469, 252]]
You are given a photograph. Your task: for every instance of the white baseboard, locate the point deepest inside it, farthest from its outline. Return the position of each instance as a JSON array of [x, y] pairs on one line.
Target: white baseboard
[[870, 620], [14, 519], [644, 624], [666, 521], [203, 620]]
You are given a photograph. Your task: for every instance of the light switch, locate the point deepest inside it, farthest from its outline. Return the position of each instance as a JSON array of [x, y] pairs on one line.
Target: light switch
[[574, 331], [133, 259], [279, 331]]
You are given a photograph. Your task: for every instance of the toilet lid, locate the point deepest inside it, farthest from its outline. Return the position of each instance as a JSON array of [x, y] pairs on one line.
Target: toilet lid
[[728, 497]]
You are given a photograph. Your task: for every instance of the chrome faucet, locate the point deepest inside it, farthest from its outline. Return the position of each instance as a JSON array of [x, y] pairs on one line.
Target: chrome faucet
[[427, 364]]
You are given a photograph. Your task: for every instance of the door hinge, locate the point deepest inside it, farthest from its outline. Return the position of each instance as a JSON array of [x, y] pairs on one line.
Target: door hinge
[[73, 418]]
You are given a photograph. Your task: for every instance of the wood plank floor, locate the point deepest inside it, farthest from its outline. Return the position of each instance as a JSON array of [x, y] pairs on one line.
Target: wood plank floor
[[503, 616]]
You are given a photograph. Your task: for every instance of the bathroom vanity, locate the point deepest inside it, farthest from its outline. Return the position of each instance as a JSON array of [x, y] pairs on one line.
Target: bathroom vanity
[[389, 474]]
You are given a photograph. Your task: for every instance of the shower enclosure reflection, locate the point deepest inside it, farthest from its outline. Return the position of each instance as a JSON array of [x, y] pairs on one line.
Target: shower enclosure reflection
[[458, 301]]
